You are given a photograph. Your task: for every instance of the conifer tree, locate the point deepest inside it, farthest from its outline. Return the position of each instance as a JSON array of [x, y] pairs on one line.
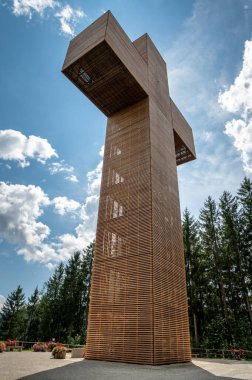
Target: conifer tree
[[87, 270], [71, 291], [13, 316], [51, 306], [33, 316], [245, 201], [232, 244], [194, 273], [211, 241]]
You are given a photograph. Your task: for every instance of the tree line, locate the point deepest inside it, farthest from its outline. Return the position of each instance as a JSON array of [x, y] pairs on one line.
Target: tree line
[[59, 311], [218, 258]]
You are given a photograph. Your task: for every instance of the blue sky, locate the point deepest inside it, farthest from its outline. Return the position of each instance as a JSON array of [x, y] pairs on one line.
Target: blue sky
[[51, 136]]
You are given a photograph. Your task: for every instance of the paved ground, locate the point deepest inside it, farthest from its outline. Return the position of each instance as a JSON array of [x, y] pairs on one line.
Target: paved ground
[[40, 366]]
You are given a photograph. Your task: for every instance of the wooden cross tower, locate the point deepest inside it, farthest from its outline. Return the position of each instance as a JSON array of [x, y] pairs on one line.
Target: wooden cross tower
[[138, 304]]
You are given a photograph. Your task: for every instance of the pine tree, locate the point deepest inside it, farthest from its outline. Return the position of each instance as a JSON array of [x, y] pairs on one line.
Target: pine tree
[[75, 290], [13, 316], [72, 292], [194, 273], [211, 241], [87, 272], [33, 322], [245, 202], [233, 245], [51, 306]]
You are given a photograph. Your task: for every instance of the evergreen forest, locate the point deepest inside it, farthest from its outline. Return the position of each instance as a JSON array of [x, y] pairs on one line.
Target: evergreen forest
[[218, 260]]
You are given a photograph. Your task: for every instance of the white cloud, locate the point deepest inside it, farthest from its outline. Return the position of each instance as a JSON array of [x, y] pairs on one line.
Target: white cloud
[[62, 167], [22, 206], [16, 146], [59, 167], [28, 7], [207, 136], [51, 266], [195, 76], [238, 100], [94, 179], [241, 132], [72, 178], [69, 18], [65, 205], [101, 152], [2, 301], [85, 231]]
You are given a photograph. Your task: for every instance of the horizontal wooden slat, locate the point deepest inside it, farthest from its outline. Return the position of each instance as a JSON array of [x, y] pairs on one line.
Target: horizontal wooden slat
[[138, 304]]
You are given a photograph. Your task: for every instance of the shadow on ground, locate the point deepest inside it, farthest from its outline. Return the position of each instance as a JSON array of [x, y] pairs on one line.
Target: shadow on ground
[[97, 370]]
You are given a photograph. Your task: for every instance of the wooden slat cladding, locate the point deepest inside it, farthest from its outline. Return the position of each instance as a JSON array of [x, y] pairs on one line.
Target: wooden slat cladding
[[183, 154], [121, 308], [115, 73], [89, 38], [183, 130], [126, 51], [171, 329], [171, 325], [138, 303], [105, 80]]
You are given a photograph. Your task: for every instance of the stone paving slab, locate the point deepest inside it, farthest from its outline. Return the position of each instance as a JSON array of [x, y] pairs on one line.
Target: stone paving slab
[[40, 366]]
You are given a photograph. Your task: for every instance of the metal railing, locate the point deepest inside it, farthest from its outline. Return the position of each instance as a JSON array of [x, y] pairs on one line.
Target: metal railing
[[236, 354], [28, 345]]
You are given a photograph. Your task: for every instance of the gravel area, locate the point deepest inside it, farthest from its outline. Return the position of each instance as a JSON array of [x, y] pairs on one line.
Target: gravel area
[[40, 366]]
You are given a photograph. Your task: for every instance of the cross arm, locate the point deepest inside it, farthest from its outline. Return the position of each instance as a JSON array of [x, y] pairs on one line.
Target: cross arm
[[183, 137], [104, 64]]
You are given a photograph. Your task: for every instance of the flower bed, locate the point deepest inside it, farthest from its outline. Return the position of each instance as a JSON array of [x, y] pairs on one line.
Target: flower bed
[[59, 352], [51, 345], [2, 347], [10, 343], [39, 347]]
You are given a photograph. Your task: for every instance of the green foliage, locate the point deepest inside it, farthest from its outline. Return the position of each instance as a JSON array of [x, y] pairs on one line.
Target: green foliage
[[59, 312], [74, 341], [14, 316], [33, 316], [218, 256], [218, 261]]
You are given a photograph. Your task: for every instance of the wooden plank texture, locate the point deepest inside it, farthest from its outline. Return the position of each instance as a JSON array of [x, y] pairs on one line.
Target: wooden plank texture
[[138, 302]]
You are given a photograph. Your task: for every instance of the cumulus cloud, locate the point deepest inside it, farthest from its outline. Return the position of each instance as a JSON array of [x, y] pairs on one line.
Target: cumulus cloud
[[69, 18], [59, 167], [16, 146], [237, 99], [28, 7], [85, 231], [2, 301], [195, 77], [62, 167], [72, 178], [20, 211], [21, 206], [65, 205]]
